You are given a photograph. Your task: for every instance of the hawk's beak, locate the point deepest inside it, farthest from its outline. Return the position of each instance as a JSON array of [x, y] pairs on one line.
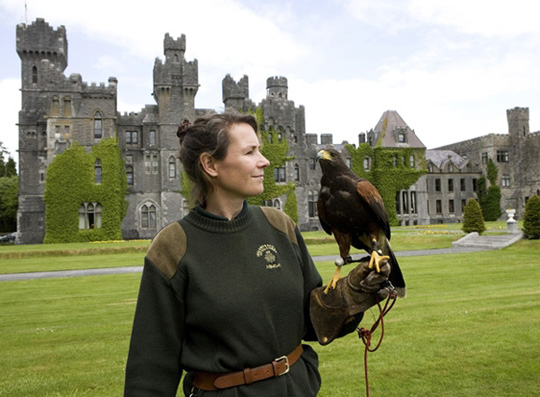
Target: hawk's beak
[[323, 154]]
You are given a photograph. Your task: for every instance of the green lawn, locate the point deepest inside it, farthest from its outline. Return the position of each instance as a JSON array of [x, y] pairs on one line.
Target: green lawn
[[470, 326]]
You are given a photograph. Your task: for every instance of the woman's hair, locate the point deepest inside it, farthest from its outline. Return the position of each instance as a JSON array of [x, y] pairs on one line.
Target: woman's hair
[[208, 134]]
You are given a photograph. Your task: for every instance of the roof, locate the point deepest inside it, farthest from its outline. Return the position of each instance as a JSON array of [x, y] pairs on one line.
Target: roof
[[440, 158], [390, 127]]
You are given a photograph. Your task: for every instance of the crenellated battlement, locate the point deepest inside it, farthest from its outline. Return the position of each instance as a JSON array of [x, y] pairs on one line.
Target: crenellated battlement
[[41, 41]]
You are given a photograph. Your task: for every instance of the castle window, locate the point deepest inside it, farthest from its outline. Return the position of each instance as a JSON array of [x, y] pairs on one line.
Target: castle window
[[148, 217], [312, 204], [463, 204], [175, 59], [484, 158], [129, 175], [437, 185], [90, 216], [402, 138], [348, 161], [97, 171], [505, 181], [34, 75], [411, 161], [502, 156], [279, 174], [270, 137], [413, 203], [172, 167], [67, 107], [147, 163], [97, 126], [405, 196], [296, 172], [438, 207], [312, 163], [450, 185], [398, 202], [155, 164], [395, 160], [279, 137], [366, 163], [132, 137], [462, 184], [152, 139], [474, 185], [451, 206], [55, 106]]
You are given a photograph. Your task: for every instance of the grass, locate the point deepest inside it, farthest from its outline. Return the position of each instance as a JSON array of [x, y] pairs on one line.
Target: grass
[[469, 326]]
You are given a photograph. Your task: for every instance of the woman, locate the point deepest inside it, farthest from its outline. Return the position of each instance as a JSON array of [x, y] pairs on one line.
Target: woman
[[225, 292]]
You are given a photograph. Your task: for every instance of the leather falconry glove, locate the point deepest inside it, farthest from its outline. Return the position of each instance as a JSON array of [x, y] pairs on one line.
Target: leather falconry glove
[[353, 295]]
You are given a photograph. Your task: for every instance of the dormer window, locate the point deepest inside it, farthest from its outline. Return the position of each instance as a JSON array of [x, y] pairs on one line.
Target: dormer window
[[402, 137]]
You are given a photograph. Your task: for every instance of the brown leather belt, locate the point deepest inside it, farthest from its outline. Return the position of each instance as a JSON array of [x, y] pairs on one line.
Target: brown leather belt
[[215, 381]]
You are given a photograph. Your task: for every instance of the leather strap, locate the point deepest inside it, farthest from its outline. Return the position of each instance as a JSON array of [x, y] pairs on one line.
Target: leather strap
[[215, 381]]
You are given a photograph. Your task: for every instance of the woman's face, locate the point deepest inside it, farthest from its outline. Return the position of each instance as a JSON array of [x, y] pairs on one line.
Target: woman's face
[[240, 173]]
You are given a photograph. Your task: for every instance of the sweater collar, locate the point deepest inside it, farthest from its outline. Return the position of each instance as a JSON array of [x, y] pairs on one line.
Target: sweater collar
[[203, 219]]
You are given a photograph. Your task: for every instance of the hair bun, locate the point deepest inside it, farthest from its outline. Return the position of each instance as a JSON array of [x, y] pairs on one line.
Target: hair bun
[[182, 129]]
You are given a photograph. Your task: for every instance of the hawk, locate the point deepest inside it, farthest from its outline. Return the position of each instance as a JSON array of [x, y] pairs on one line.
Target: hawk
[[352, 209]]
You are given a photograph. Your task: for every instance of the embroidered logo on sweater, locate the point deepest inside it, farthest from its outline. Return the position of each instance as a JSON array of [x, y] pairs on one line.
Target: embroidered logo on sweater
[[268, 252]]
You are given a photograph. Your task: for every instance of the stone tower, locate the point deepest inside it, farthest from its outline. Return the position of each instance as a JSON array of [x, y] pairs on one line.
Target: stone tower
[[56, 111], [43, 54], [176, 83]]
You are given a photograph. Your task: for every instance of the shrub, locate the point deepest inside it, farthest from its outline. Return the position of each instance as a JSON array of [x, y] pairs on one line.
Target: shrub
[[531, 220], [472, 217]]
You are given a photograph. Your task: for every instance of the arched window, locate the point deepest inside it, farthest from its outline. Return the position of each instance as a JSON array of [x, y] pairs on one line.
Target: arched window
[[90, 216], [97, 126], [97, 171], [129, 175], [148, 216], [34, 75], [172, 167]]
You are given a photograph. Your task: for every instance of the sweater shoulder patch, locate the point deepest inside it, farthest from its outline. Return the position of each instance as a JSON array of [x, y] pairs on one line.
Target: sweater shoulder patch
[[281, 221], [168, 248]]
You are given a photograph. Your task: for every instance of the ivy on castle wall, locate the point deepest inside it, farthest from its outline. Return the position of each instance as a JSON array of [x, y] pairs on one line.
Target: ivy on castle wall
[[389, 170], [276, 153], [71, 182]]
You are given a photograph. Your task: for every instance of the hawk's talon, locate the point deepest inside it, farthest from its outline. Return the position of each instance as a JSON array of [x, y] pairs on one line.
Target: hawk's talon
[[376, 259], [333, 282]]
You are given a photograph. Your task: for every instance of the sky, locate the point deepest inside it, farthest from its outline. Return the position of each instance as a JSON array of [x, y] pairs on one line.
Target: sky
[[450, 69]]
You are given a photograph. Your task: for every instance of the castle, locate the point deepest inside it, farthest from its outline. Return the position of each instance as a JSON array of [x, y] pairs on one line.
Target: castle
[[58, 110]]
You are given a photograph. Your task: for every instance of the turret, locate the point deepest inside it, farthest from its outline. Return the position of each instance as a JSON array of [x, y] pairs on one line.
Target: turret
[[276, 87], [518, 122], [43, 52]]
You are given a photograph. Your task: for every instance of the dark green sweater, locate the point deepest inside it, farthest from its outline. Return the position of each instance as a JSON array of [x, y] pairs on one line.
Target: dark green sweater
[[220, 296]]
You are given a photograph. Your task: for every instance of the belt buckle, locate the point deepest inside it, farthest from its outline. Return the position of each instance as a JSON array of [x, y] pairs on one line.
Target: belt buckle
[[287, 367]]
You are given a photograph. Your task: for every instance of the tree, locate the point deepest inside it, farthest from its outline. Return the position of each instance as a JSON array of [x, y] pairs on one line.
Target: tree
[[8, 203], [472, 217], [490, 198], [531, 219]]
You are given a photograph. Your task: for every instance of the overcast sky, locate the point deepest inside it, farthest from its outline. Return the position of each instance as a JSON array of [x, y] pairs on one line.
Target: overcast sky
[[451, 69]]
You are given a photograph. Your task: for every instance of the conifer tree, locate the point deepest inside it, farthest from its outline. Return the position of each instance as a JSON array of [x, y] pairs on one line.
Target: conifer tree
[[472, 217], [531, 220]]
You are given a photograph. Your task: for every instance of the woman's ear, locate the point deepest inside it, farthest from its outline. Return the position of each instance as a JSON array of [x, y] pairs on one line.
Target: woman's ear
[[209, 165]]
